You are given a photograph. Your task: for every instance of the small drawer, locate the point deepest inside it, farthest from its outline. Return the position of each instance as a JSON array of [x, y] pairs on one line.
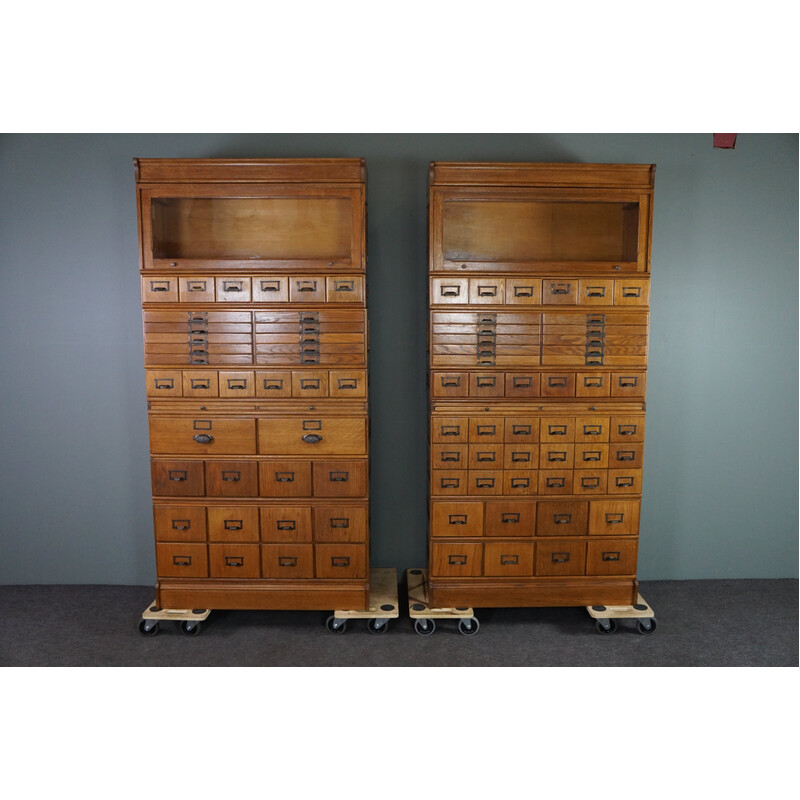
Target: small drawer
[[196, 289], [596, 292], [628, 384], [286, 524], [200, 383], [177, 478], [521, 482], [485, 456], [589, 482], [271, 290], [347, 383], [445, 456], [312, 436], [521, 430], [340, 560], [284, 478], [202, 436], [556, 456], [627, 429], [560, 557], [562, 518], [234, 561], [523, 291], [591, 429], [628, 456], [236, 384], [164, 383], [559, 292], [290, 561], [631, 292], [520, 456], [179, 523], [485, 429], [160, 290], [449, 482], [231, 478], [486, 385], [591, 456], [345, 289], [614, 517], [449, 430], [593, 384], [452, 291], [510, 519], [612, 557], [339, 478], [457, 520], [273, 384], [456, 560], [306, 290], [624, 481], [182, 560], [557, 429], [340, 524], [558, 384], [522, 384], [487, 291], [232, 524], [502, 559], [233, 290], [449, 384], [555, 481], [485, 482], [310, 383]]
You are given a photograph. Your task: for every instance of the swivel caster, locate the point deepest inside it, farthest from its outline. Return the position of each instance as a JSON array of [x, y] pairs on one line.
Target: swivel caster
[[605, 626], [646, 626], [377, 626], [190, 628], [148, 627], [334, 625], [424, 627], [468, 627]]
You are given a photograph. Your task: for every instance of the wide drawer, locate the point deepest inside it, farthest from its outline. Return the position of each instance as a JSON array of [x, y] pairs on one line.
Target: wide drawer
[[312, 436], [202, 436]]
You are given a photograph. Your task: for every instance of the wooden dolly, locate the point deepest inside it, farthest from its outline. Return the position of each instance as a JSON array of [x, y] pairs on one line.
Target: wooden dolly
[[189, 618], [605, 617], [382, 604], [425, 617]]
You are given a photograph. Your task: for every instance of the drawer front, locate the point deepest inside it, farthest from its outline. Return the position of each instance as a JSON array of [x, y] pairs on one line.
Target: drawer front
[[510, 559], [557, 291], [458, 520], [624, 481], [284, 478], [449, 430], [312, 436], [630, 456], [448, 291], [520, 482], [591, 429], [181, 560], [291, 561], [340, 524], [339, 478], [487, 291], [200, 383], [520, 456], [628, 384], [340, 560], [444, 456], [614, 517], [521, 430], [590, 482], [523, 291], [558, 384], [510, 519], [306, 289], [287, 524], [164, 383], [556, 429], [593, 384], [560, 557], [522, 384], [313, 383], [631, 292], [234, 290], [555, 481], [160, 290], [449, 482], [344, 289], [594, 291], [627, 429], [206, 436], [347, 383], [177, 478], [233, 524], [612, 557], [484, 482], [234, 561], [196, 289], [231, 478], [449, 384], [486, 384], [236, 384], [591, 456], [485, 456], [556, 456], [179, 523], [274, 289], [456, 560], [486, 430], [273, 384], [562, 518]]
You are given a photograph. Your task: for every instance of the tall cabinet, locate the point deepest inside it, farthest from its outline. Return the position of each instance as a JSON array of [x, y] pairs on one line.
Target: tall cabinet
[[538, 335], [255, 351]]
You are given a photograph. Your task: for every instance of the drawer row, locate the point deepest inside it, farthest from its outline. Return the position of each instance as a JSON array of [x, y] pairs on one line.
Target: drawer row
[[531, 384], [268, 478], [253, 289], [271, 561], [535, 518], [547, 455], [540, 291], [276, 524], [518, 559], [337, 383]]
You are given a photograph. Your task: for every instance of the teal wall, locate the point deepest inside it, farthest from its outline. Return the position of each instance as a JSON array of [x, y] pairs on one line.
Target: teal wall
[[720, 480]]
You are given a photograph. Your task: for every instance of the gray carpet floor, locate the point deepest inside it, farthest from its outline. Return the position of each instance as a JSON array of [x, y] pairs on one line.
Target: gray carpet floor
[[709, 623]]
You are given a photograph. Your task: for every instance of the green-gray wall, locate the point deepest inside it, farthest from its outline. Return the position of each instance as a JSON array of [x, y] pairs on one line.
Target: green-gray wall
[[720, 476]]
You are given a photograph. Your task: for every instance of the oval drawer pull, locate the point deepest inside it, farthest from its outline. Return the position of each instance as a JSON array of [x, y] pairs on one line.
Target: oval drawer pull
[[203, 438], [312, 438]]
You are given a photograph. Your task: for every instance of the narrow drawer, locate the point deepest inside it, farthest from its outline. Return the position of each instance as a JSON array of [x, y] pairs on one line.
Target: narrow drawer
[[590, 482], [520, 456], [347, 383], [456, 560], [291, 561], [450, 291], [628, 456], [628, 384], [181, 560], [271, 290], [593, 384], [508, 559], [614, 517], [521, 430], [596, 291], [556, 291], [556, 456], [449, 482], [284, 478], [340, 523], [449, 384], [520, 482], [627, 429], [233, 290], [234, 561], [591, 429], [486, 429], [510, 519], [491, 291], [231, 478], [624, 481], [339, 478], [556, 429], [558, 384], [612, 557], [312, 436], [179, 523], [202, 436], [196, 289], [449, 430], [485, 482], [306, 289], [272, 384], [200, 383], [160, 290], [560, 557], [232, 524], [555, 481], [591, 456], [344, 289], [486, 385], [236, 384], [485, 456], [522, 384], [177, 478], [164, 383], [523, 291], [311, 383], [444, 456], [457, 520], [562, 518], [340, 560], [631, 292], [289, 524]]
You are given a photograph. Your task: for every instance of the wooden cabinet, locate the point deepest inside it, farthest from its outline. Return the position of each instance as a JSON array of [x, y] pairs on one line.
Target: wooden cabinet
[[539, 291], [253, 294]]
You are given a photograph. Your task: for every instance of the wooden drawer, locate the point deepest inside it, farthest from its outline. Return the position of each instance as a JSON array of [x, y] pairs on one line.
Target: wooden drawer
[[522, 384], [273, 289], [627, 456], [560, 557], [232, 524], [486, 429], [231, 478], [236, 384], [311, 383], [449, 482], [485, 482], [591, 429], [485, 456], [347, 383], [234, 290], [304, 289], [593, 384], [562, 518], [555, 481], [339, 478], [449, 384], [590, 482], [444, 456], [520, 482], [234, 561], [160, 290], [200, 383], [206, 436], [181, 560], [446, 291], [179, 523], [556, 456], [449, 430], [344, 289], [164, 383], [486, 384], [284, 478], [312, 436], [196, 289], [614, 517], [340, 560], [491, 291], [289, 524], [291, 561], [627, 429], [612, 557], [273, 384], [558, 384], [340, 524], [628, 384], [177, 478], [624, 481], [521, 430], [596, 291], [520, 456], [558, 291], [591, 456], [508, 519], [456, 560], [511, 559], [523, 291], [556, 429], [458, 520], [631, 292]]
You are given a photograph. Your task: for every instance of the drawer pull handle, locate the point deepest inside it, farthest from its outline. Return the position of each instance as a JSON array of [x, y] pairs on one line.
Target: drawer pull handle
[[450, 291], [595, 291], [309, 383], [275, 385], [227, 286], [450, 456], [234, 561], [284, 477], [590, 483], [487, 430], [487, 456], [203, 438], [559, 288], [343, 286], [623, 482], [233, 524], [559, 382], [457, 519], [286, 525], [562, 519], [487, 291], [520, 430], [593, 383], [167, 383], [511, 518], [626, 455], [270, 286], [177, 475], [451, 430], [312, 438], [287, 561], [181, 561], [523, 291], [626, 430], [611, 555], [451, 381], [631, 291], [347, 383], [595, 319], [159, 288], [459, 561], [181, 524], [522, 383], [591, 456], [199, 384], [627, 383], [505, 560], [557, 430], [196, 286], [340, 561], [555, 483], [556, 456], [520, 483], [339, 477], [449, 483], [484, 483], [517, 457], [340, 522], [559, 558], [614, 519], [231, 476], [306, 286], [485, 383], [237, 384]]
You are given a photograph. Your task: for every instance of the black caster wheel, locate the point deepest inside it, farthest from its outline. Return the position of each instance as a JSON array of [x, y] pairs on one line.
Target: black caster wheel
[[645, 626], [468, 627], [605, 626], [146, 630], [334, 625], [424, 627], [373, 627], [190, 628]]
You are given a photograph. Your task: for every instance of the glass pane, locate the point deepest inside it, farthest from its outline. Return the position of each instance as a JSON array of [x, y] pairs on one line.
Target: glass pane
[[251, 227], [540, 231]]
